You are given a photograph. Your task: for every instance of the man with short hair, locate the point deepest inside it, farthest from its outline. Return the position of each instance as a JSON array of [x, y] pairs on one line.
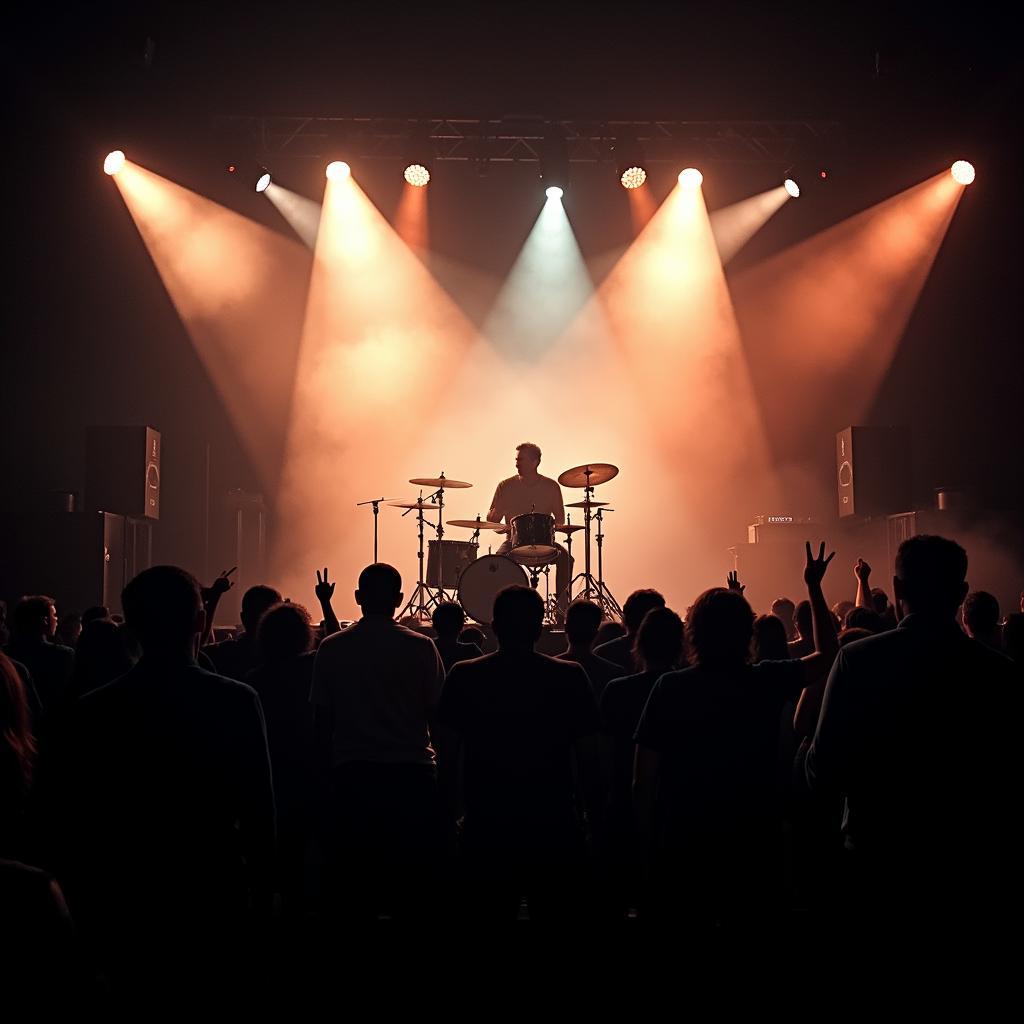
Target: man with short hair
[[155, 794], [620, 650], [375, 690], [237, 657], [448, 620], [582, 622], [981, 619], [526, 492], [33, 627], [518, 722], [917, 734]]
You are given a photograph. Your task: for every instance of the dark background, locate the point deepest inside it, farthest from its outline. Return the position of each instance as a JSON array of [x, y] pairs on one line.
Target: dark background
[[90, 336]]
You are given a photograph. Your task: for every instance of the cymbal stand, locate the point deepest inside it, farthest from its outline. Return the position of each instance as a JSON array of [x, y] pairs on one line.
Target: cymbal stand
[[417, 604], [593, 590], [604, 595]]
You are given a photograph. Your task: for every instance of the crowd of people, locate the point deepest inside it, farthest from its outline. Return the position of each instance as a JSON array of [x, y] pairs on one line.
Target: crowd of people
[[705, 769]]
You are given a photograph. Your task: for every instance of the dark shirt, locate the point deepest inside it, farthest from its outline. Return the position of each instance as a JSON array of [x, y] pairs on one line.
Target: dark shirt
[[599, 671], [453, 651], [717, 730], [919, 732], [50, 666], [518, 716], [619, 651], [234, 658], [155, 797], [622, 704]]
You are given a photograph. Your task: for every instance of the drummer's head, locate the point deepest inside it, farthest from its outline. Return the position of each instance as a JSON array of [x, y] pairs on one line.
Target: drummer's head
[[518, 617], [527, 457], [380, 589]]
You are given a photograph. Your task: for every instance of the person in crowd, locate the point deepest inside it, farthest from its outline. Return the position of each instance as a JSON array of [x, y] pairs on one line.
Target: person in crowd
[[769, 639], [871, 600], [473, 635], [839, 612], [927, 832], [517, 723], [705, 778], [448, 620], [854, 633], [154, 801], [608, 630], [17, 758], [283, 682], [659, 649], [376, 686], [864, 618], [1013, 637], [69, 629], [96, 611], [981, 619], [33, 627], [237, 657], [324, 590], [784, 610], [804, 642], [582, 621], [104, 652], [620, 650]]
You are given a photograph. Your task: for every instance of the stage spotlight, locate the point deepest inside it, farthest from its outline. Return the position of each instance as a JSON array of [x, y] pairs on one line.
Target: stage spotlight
[[338, 169], [963, 172], [417, 174], [691, 178], [263, 181], [632, 177], [114, 162], [554, 160], [553, 192], [792, 188]]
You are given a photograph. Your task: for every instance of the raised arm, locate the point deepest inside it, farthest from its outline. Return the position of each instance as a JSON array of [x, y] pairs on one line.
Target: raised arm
[[863, 573], [817, 665], [324, 592], [211, 598]]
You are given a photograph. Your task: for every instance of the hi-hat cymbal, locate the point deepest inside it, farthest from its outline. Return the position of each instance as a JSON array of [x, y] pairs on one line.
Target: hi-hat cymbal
[[438, 482], [569, 529], [590, 475], [475, 524], [424, 505], [586, 504]]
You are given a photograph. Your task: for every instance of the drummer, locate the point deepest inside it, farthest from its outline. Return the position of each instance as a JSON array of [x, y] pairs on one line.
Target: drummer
[[528, 491]]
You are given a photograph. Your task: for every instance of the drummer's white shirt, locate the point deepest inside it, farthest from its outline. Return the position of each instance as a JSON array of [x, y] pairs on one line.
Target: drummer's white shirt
[[515, 497]]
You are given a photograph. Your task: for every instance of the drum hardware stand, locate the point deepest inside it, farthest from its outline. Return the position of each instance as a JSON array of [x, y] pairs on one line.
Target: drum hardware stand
[[604, 595], [417, 605], [375, 502], [535, 572], [593, 589]]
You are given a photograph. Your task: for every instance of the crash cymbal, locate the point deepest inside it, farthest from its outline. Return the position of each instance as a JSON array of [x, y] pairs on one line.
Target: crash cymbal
[[424, 505], [569, 529], [586, 504], [474, 524], [590, 475], [438, 482]]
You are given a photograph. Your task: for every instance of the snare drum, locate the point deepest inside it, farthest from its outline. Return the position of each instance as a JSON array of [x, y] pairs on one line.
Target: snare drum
[[483, 581], [447, 560], [533, 539]]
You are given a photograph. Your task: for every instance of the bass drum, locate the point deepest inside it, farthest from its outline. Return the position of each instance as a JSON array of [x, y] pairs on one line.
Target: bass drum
[[482, 581]]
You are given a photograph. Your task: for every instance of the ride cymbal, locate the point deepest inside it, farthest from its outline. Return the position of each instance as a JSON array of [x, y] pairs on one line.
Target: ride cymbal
[[590, 475]]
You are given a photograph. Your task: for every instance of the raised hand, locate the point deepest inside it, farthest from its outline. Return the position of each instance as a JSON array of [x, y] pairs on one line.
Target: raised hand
[[862, 571], [734, 584], [814, 570], [220, 586], [324, 588]]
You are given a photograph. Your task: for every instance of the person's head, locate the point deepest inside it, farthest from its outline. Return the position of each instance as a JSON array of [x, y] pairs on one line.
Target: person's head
[[637, 605], [981, 615], [770, 642], [804, 619], [609, 630], [783, 609], [472, 635], [448, 620], [659, 640], [527, 457], [255, 601], [284, 632], [97, 611], [17, 745], [103, 653], [518, 617], [840, 610], [864, 618], [70, 628], [719, 628], [931, 575], [34, 618], [582, 621], [380, 589], [163, 608], [1013, 637], [847, 636], [879, 600]]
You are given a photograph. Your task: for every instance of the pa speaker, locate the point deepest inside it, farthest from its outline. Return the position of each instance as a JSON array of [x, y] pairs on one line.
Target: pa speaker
[[872, 471], [122, 471]]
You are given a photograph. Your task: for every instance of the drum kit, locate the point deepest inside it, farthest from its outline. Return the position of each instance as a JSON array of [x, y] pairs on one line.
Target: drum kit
[[453, 570]]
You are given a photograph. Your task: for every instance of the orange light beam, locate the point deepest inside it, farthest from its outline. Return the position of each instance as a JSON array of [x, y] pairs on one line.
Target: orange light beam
[[733, 226]]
